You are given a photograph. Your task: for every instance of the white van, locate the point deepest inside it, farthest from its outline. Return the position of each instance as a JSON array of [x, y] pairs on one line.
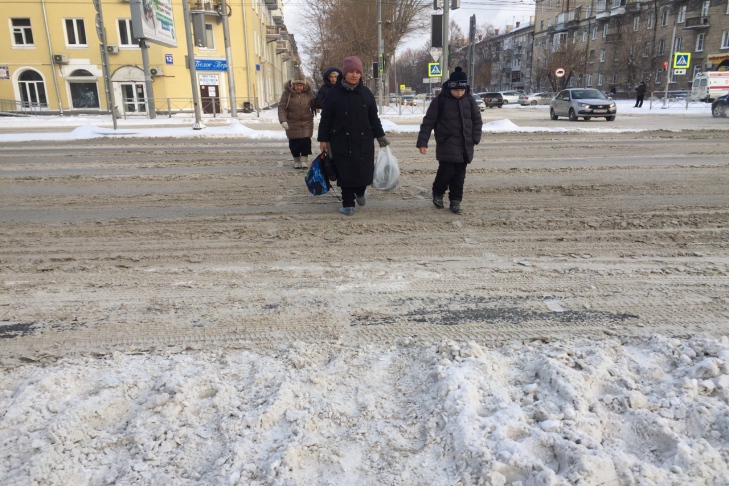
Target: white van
[[709, 86]]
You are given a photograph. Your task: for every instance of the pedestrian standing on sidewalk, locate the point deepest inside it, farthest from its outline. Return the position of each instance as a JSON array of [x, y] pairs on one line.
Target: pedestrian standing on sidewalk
[[641, 93], [330, 79], [348, 127], [456, 119], [296, 117]]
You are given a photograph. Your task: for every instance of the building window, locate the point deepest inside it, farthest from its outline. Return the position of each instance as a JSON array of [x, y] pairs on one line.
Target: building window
[[125, 33], [661, 47], [589, 11], [681, 15], [705, 8], [700, 42], [647, 49], [615, 78], [725, 39], [209, 37], [602, 55], [594, 32], [589, 80], [22, 33], [541, 25], [636, 23], [677, 45], [664, 17], [32, 90], [584, 35], [599, 79], [697, 70], [75, 32], [658, 77], [605, 30], [84, 92], [649, 23]]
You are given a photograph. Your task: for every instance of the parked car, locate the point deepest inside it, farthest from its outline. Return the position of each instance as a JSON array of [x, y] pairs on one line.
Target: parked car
[[720, 106], [492, 99], [479, 102], [582, 102], [393, 98], [409, 100], [535, 99], [510, 96]]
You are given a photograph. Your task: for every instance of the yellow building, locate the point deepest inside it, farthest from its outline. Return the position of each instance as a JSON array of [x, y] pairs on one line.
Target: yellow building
[[50, 57]]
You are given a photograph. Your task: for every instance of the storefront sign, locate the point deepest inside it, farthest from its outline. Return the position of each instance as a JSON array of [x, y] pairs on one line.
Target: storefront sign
[[211, 65]]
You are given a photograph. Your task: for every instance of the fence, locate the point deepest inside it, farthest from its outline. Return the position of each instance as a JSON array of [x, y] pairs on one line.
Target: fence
[[678, 98], [22, 108], [210, 106], [397, 108]]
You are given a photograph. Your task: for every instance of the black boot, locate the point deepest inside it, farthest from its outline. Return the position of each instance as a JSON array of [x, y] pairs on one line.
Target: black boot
[[456, 207], [438, 200]]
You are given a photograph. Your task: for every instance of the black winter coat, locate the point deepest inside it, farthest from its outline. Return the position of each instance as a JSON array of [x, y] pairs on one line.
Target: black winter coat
[[457, 126], [321, 95], [350, 124]]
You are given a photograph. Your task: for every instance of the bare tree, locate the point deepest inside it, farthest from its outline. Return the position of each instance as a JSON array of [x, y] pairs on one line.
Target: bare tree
[[342, 28], [549, 57]]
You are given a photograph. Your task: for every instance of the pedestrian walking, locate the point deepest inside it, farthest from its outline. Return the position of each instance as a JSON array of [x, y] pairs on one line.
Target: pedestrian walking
[[640, 94], [330, 79], [456, 119], [348, 127], [296, 117]]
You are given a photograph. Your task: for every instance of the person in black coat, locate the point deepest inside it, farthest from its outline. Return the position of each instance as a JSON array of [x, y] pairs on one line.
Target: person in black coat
[[331, 76], [456, 119], [640, 95], [347, 129]]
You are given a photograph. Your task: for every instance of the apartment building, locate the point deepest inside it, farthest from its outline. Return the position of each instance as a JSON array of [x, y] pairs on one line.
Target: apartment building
[[619, 43], [50, 57], [508, 58]]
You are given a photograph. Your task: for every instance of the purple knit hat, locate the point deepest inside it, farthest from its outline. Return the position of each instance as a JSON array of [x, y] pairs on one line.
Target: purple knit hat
[[350, 64]]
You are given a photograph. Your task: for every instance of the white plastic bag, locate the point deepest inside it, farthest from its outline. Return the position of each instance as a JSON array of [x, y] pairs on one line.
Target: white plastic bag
[[387, 173]]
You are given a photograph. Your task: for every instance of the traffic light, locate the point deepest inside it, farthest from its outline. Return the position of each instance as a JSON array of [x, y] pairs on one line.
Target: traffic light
[[665, 65]]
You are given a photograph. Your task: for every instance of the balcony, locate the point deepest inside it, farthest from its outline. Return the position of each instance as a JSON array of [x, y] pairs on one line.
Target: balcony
[[272, 4], [633, 7], [272, 33], [697, 23], [611, 38], [281, 47], [602, 14], [207, 6]]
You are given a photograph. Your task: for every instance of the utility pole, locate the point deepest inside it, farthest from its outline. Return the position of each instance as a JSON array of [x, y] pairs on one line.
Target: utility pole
[[229, 58], [151, 110], [380, 53], [471, 50], [199, 125], [444, 56], [101, 32], [669, 67]]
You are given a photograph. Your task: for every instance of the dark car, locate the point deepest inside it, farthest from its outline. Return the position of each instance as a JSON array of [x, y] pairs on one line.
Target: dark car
[[492, 99], [720, 106]]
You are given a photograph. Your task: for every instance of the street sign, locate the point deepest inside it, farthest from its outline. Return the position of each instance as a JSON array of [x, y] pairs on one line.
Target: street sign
[[681, 60], [432, 80], [559, 72], [434, 70], [435, 53], [402, 87], [679, 72]]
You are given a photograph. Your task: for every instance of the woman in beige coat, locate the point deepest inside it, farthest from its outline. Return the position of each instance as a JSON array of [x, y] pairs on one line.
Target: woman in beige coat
[[297, 118]]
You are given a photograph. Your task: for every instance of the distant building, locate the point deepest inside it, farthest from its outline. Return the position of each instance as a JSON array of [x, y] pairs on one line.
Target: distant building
[[50, 58]]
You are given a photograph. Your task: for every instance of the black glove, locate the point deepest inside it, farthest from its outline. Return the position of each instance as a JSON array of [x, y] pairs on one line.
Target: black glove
[[383, 141]]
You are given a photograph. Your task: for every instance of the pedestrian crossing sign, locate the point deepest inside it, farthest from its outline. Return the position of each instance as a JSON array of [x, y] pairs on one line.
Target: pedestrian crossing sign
[[434, 70], [681, 60]]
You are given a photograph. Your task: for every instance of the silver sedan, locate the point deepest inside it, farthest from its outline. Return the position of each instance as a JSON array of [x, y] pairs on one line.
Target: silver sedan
[[582, 102]]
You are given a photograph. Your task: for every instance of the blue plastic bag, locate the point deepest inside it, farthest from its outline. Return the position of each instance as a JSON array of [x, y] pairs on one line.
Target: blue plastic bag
[[315, 179]]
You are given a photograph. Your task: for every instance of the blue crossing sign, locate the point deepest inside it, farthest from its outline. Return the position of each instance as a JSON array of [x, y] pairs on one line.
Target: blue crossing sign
[[434, 70], [681, 60]]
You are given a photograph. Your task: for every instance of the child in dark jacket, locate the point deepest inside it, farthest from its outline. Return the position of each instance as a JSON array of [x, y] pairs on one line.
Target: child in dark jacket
[[457, 122]]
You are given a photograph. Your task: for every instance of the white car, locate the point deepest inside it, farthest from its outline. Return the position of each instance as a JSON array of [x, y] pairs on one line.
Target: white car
[[510, 96]]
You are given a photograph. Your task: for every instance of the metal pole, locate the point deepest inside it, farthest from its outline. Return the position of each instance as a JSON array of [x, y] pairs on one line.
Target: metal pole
[[444, 57], [199, 125], [229, 59], [379, 53], [151, 109], [250, 96], [53, 64], [669, 67], [101, 32]]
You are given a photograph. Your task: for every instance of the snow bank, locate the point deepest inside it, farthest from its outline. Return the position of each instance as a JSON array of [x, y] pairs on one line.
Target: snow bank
[[563, 413]]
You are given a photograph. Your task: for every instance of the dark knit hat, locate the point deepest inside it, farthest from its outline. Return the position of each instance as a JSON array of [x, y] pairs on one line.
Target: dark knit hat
[[458, 79], [350, 64]]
